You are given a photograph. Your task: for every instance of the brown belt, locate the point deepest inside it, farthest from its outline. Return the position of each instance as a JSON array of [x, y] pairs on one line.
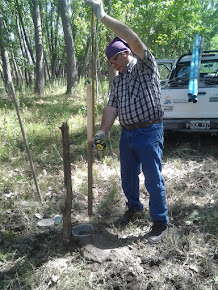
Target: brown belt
[[141, 125]]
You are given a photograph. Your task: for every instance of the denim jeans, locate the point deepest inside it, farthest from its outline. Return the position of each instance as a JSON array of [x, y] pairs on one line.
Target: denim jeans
[[143, 147]]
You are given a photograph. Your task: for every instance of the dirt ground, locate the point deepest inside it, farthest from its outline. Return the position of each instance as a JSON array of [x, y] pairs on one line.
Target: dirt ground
[[120, 258]]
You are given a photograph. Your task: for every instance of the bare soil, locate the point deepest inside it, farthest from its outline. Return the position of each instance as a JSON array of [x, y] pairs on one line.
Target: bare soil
[[120, 258]]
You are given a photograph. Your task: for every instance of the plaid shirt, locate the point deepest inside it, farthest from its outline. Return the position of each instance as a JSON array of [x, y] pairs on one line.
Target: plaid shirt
[[136, 93]]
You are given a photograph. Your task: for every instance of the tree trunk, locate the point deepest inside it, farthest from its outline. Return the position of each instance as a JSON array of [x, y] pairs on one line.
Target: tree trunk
[[23, 52], [52, 37], [40, 77], [67, 227], [24, 30], [16, 72], [87, 53], [72, 73], [60, 69], [27, 56]]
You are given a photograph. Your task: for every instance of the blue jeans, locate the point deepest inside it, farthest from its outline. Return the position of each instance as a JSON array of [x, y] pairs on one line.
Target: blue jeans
[[143, 146]]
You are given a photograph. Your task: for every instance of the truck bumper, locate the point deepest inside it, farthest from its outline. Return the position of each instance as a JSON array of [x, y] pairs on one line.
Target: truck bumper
[[191, 125]]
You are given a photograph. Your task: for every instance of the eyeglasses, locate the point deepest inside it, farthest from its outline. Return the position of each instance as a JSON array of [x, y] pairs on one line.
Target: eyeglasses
[[114, 59]]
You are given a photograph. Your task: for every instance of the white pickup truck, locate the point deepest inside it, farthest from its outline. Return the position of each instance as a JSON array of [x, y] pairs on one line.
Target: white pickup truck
[[179, 113]]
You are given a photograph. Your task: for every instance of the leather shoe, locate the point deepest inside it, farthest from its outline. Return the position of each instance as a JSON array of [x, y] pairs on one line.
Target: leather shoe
[[156, 233], [129, 216]]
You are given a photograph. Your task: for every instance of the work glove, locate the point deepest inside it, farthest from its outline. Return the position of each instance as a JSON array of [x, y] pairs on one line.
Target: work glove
[[97, 6], [99, 140]]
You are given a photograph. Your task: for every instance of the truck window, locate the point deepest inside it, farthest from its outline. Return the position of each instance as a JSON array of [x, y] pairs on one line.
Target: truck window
[[209, 69], [164, 71], [180, 76], [208, 73], [183, 72]]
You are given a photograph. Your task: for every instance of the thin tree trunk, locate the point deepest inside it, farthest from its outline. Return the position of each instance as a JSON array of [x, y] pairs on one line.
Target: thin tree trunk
[[55, 45], [67, 227], [1, 72], [72, 73], [40, 77], [27, 56], [15, 69], [24, 31], [23, 52], [87, 53], [47, 69], [60, 70]]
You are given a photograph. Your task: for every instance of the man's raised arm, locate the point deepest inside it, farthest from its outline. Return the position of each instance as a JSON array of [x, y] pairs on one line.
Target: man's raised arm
[[120, 29]]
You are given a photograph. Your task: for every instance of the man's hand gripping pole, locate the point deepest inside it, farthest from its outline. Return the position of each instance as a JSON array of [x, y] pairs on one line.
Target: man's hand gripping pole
[[99, 140]]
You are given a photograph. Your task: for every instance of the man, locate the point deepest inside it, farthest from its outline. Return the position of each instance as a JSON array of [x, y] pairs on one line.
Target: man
[[135, 99]]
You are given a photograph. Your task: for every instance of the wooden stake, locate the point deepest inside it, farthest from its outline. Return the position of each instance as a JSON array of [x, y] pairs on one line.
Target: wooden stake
[[91, 118], [89, 137], [26, 143], [67, 226], [93, 69]]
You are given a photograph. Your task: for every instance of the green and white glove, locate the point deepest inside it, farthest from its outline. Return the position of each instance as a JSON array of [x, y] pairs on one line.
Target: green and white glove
[[97, 6], [99, 140]]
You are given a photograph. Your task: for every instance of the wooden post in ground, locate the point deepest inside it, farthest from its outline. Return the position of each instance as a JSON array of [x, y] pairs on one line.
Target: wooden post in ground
[[67, 226], [91, 117], [89, 137]]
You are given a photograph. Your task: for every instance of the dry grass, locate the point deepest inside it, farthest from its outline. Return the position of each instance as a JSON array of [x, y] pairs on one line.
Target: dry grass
[[31, 258]]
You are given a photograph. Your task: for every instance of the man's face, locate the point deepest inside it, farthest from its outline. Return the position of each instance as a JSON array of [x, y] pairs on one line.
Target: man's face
[[119, 61]]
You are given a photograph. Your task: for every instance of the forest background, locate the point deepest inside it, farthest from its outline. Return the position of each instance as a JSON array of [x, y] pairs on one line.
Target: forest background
[[54, 36]]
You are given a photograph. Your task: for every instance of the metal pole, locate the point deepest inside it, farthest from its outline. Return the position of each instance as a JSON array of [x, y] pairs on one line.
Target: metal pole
[[90, 119], [196, 67], [191, 77], [26, 143]]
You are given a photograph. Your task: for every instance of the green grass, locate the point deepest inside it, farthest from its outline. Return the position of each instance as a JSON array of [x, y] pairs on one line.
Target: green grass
[[42, 118], [33, 257]]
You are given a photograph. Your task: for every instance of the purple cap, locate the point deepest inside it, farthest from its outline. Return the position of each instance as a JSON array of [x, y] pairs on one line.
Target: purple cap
[[117, 45]]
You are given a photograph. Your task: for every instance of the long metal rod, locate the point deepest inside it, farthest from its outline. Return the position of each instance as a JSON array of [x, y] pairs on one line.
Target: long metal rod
[[26, 145], [91, 120]]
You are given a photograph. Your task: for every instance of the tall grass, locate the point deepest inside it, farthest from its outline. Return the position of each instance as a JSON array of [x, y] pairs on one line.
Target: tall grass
[[33, 259], [42, 118]]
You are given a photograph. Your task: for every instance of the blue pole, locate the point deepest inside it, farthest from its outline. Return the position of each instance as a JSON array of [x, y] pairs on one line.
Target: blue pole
[[196, 66], [194, 69], [191, 75]]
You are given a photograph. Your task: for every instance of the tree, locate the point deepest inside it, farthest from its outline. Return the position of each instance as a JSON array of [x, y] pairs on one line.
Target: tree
[[19, 11], [39, 69], [4, 55], [69, 44]]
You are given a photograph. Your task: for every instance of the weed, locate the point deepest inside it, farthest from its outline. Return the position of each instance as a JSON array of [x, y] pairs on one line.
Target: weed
[[108, 199], [31, 258]]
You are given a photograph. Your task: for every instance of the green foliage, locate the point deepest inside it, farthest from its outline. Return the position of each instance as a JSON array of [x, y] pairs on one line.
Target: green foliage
[[166, 27], [214, 45]]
